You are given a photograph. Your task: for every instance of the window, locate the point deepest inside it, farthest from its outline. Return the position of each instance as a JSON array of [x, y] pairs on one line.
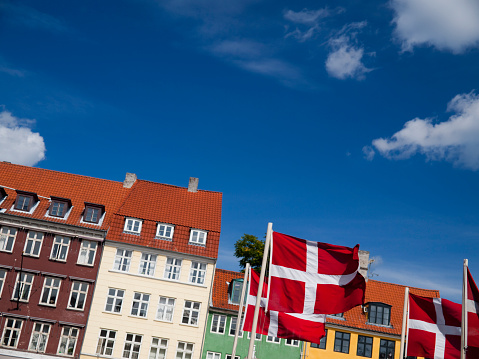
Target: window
[[38, 341], [25, 201], [11, 332], [68, 341], [3, 275], [198, 237], [60, 248], [122, 260], [139, 307], [234, 290], [212, 355], [3, 194], [233, 327], [114, 300], [365, 346], [166, 306], [322, 342], [87, 252], [78, 295], [106, 342], [33, 244], [132, 346], [218, 324], [7, 238], [341, 342], [272, 339], [257, 336], [191, 312], [93, 212], [197, 273], [228, 356], [132, 225], [59, 207], [51, 287], [339, 315], [292, 342], [158, 348], [172, 268], [147, 264], [23, 287], [184, 350], [164, 231], [379, 313], [386, 349]]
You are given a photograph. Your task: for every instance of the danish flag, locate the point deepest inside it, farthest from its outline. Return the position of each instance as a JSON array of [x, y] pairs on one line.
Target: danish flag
[[281, 325], [472, 307], [314, 278], [434, 328]]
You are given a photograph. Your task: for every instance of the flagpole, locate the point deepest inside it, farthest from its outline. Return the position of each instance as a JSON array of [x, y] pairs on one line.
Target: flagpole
[[403, 329], [260, 290], [240, 310], [270, 266], [464, 311]]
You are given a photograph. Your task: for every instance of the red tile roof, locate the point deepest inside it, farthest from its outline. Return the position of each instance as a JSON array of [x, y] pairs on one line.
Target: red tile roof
[[220, 288]]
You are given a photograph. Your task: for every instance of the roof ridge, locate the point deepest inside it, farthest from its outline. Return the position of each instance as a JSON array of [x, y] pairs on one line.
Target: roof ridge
[[402, 285], [172, 185], [228, 270]]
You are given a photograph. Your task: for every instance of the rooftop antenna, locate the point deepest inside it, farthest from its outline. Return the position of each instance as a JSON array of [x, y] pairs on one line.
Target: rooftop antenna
[[371, 274]]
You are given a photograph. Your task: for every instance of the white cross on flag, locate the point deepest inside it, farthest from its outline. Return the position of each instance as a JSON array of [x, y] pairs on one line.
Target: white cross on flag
[[281, 325], [434, 328], [311, 277], [472, 306]]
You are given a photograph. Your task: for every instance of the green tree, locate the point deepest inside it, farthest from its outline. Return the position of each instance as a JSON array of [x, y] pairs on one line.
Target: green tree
[[250, 250]]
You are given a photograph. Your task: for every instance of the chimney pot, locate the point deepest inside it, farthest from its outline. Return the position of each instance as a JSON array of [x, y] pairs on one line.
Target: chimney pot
[[130, 179], [193, 184]]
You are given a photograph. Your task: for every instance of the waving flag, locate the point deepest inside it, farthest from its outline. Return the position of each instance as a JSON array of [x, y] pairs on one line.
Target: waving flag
[[434, 328], [281, 325], [314, 278], [472, 308]]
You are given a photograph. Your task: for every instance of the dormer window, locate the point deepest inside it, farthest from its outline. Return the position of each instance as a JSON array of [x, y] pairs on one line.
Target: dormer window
[[25, 201], [198, 237], [234, 291], [3, 194], [379, 313], [93, 212], [164, 231], [59, 207], [132, 225]]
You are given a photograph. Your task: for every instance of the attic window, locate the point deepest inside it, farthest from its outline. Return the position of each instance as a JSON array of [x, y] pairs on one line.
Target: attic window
[[93, 212], [3, 194], [25, 201], [132, 225], [198, 237], [379, 313], [59, 206], [234, 291]]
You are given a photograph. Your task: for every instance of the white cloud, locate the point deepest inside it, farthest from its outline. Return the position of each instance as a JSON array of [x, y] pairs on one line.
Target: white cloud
[[455, 140], [18, 144], [308, 18], [451, 25], [368, 153]]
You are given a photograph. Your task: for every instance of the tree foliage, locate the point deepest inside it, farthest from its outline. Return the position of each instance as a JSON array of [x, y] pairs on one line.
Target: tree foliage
[[250, 250]]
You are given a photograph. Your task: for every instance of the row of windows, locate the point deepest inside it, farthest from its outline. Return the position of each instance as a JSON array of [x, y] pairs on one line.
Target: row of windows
[[164, 231], [50, 291], [378, 313], [213, 355], [364, 348], [39, 338], [147, 266], [132, 346], [60, 247], [141, 302]]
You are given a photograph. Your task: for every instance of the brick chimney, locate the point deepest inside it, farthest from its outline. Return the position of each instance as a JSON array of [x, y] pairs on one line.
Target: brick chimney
[[130, 179], [193, 184]]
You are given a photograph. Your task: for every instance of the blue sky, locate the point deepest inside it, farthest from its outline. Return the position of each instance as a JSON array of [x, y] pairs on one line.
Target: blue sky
[[339, 121]]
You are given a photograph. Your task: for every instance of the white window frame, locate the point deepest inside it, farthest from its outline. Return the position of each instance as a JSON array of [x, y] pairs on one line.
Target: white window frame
[[166, 309], [183, 349], [162, 230], [35, 239], [132, 223], [173, 264], [3, 278], [11, 328], [213, 355], [134, 344], [24, 280], [67, 339], [228, 356], [291, 342], [40, 335], [257, 336], [147, 264], [81, 294], [116, 300], [59, 244], [191, 313], [197, 273], [7, 239], [216, 321], [157, 346], [49, 285], [271, 339], [232, 330], [122, 260], [85, 256], [106, 343], [142, 300], [198, 237]]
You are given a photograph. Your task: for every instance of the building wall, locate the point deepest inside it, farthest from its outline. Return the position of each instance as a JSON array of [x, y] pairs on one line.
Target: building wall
[[155, 286]]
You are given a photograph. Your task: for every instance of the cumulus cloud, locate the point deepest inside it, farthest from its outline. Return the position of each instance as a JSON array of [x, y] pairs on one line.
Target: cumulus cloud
[[18, 143], [455, 140], [450, 25]]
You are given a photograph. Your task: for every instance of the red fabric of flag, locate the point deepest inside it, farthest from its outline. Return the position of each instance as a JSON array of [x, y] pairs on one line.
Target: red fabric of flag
[[434, 328], [311, 277], [472, 306]]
